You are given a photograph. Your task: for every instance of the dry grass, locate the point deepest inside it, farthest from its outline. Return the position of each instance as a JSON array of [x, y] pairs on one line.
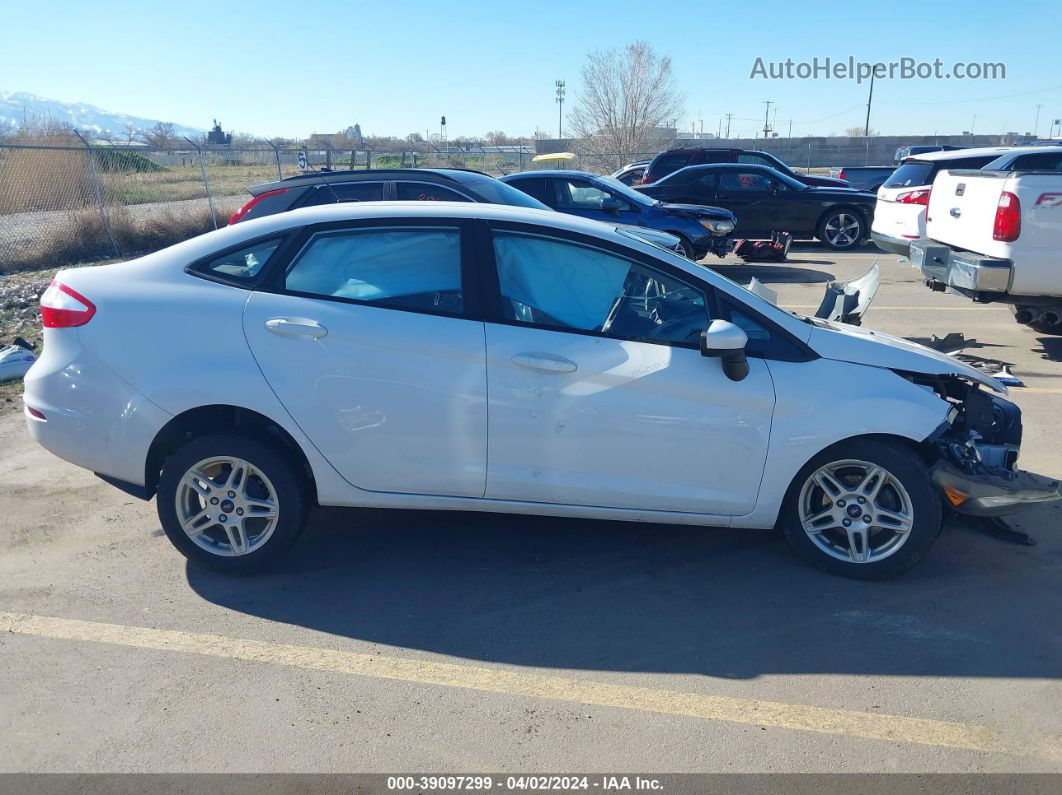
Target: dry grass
[[81, 237]]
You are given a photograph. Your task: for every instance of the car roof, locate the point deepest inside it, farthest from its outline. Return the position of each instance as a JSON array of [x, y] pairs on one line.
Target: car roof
[[704, 149], [958, 154], [459, 175], [1051, 149]]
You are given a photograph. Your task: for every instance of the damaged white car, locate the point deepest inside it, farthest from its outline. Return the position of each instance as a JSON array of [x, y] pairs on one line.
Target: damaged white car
[[489, 358]]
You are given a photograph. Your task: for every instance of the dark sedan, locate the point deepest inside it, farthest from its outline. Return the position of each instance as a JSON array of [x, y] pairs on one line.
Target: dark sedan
[[394, 184], [673, 159], [766, 201], [701, 229]]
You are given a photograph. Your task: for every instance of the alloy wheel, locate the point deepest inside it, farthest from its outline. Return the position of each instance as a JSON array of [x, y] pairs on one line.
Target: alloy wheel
[[841, 230], [855, 511], [227, 506]]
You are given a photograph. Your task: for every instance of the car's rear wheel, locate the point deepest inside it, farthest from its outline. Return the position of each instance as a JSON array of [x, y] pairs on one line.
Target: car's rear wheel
[[863, 508], [841, 229], [230, 502]]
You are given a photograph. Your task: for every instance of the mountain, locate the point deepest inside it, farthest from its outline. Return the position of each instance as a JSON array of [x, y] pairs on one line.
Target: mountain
[[16, 107]]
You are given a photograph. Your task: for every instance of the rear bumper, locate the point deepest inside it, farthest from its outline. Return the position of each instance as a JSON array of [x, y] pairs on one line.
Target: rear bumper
[[962, 270], [92, 418], [993, 493], [893, 245]]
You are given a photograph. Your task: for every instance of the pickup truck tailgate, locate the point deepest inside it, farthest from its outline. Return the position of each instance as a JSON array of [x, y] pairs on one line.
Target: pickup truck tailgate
[[962, 210]]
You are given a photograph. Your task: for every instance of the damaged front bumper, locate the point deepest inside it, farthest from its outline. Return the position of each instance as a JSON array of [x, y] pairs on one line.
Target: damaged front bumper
[[977, 452], [992, 491]]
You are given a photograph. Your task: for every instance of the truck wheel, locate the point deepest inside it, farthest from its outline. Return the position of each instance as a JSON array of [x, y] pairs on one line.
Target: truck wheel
[[863, 508], [841, 229], [230, 502], [1037, 325]]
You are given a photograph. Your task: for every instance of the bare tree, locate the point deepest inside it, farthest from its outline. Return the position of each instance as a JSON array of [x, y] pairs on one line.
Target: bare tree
[[625, 97], [160, 135], [857, 132]]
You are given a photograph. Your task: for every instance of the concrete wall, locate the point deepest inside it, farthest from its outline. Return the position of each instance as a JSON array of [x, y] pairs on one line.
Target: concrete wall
[[817, 152]]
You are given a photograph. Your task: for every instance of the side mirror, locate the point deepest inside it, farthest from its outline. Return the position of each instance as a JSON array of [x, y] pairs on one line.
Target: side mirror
[[610, 206], [725, 341]]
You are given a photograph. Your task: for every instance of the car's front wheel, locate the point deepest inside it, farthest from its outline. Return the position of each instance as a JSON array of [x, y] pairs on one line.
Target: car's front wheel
[[863, 508], [842, 229], [231, 502]]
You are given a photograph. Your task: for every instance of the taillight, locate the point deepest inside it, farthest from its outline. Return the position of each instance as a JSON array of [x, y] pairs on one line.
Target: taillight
[[1008, 218], [841, 175], [915, 197], [241, 213], [63, 307]]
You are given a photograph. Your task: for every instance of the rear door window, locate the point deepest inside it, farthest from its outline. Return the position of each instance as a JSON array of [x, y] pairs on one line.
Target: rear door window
[[744, 181], [426, 192], [755, 159], [1045, 161], [403, 268], [536, 187], [345, 192]]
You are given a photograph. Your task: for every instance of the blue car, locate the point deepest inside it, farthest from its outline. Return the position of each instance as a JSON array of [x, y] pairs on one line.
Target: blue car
[[701, 230]]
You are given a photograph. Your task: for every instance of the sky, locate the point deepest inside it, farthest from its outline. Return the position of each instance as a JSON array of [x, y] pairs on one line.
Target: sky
[[288, 69]]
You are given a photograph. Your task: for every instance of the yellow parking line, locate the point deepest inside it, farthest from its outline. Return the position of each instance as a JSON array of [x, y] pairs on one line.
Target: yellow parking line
[[1040, 390], [894, 728]]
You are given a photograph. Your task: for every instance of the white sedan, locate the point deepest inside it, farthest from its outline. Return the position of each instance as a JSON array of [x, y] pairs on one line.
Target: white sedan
[[480, 357]]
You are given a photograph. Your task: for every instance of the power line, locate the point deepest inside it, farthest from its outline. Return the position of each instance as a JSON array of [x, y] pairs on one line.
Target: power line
[[982, 99]]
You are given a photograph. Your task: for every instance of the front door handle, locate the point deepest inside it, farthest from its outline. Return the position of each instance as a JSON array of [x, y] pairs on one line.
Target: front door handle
[[544, 362], [295, 327]]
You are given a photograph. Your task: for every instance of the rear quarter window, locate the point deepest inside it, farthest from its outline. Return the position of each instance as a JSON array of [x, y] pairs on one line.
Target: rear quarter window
[[910, 174], [665, 164], [241, 264]]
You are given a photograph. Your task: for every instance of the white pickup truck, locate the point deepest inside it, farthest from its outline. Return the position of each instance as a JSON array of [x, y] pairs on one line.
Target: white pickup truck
[[995, 234]]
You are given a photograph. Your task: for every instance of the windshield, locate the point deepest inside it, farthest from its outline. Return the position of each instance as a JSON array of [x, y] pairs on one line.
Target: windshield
[[628, 193], [497, 192]]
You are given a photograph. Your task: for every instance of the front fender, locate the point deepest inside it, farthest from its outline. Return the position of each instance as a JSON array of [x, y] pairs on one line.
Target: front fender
[[822, 402]]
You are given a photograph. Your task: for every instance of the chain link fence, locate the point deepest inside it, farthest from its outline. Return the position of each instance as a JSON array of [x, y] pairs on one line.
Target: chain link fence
[[76, 201], [79, 201]]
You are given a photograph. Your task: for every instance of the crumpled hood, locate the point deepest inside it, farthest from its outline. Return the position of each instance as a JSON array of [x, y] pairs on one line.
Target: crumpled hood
[[862, 346], [702, 211], [655, 236]]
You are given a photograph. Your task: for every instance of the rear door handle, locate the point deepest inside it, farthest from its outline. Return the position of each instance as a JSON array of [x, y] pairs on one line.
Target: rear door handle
[[295, 327], [544, 362]]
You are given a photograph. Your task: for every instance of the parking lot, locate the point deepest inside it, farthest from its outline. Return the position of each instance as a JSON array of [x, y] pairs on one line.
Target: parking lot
[[420, 641]]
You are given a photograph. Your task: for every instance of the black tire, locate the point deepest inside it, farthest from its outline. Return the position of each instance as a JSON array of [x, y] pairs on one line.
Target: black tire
[[686, 246], [902, 463], [836, 216], [270, 460]]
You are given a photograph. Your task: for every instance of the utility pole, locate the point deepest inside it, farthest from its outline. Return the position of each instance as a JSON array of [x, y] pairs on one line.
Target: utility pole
[[560, 108], [790, 128], [728, 117], [1036, 124], [767, 117], [870, 99]]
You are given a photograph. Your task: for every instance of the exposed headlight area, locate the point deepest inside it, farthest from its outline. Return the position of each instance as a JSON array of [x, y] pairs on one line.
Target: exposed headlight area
[[974, 453], [717, 226]]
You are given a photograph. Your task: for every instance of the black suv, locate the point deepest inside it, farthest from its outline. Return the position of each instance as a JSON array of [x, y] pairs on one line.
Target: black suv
[[673, 159], [395, 184]]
